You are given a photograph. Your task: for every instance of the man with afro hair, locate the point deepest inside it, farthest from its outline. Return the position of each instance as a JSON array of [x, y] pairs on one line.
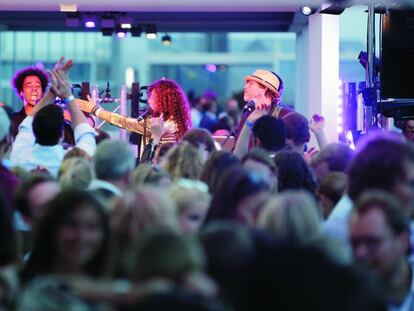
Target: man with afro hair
[[30, 85]]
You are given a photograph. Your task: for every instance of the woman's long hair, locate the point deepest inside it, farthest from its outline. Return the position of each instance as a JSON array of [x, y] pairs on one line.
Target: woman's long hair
[[57, 213], [173, 103]]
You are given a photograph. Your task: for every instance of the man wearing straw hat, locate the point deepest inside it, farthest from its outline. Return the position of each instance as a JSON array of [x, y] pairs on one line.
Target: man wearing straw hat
[[262, 92]]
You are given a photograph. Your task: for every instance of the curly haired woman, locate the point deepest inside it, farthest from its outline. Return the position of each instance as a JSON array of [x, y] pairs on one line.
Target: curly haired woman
[[170, 118]]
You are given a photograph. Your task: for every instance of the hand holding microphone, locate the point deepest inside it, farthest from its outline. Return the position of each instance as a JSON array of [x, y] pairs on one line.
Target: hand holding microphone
[[145, 114], [250, 106]]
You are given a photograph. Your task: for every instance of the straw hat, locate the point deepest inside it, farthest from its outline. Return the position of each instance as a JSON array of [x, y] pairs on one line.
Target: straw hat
[[266, 78]]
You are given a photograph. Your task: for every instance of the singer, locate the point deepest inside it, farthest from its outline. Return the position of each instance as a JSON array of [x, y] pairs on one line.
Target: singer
[[262, 92], [167, 120]]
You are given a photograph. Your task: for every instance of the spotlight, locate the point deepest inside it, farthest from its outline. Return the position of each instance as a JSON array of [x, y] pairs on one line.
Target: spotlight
[[136, 31], [72, 19], [120, 32], [151, 32], [210, 67], [166, 39], [307, 10], [333, 9], [125, 22], [89, 21]]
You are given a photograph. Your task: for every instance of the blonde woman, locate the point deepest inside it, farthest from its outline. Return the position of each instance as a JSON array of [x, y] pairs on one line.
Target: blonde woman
[[292, 217], [192, 201]]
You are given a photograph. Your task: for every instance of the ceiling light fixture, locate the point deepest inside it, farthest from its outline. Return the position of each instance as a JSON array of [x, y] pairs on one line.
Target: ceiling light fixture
[[166, 39], [151, 32], [307, 10]]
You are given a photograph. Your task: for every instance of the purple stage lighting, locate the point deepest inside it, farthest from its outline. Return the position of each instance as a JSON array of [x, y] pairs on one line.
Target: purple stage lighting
[[121, 34], [340, 109], [89, 21], [90, 24], [211, 67]]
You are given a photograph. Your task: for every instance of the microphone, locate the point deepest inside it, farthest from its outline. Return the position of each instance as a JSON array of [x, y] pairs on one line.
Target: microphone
[[145, 114], [250, 106]]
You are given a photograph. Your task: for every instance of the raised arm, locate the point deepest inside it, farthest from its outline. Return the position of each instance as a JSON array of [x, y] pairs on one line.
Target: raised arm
[[50, 95], [316, 125], [242, 143], [84, 133], [127, 123]]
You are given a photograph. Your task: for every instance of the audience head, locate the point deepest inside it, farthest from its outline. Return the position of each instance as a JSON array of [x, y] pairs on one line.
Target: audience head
[[330, 191], [202, 139], [75, 172], [379, 233], [77, 153], [269, 133], [168, 98], [146, 174], [334, 157], [30, 84], [184, 161], [48, 125], [384, 161], [163, 253], [33, 194], [161, 155], [192, 201], [72, 237], [293, 172], [259, 162], [114, 160], [141, 210], [239, 197], [297, 131], [291, 217], [296, 279], [215, 167], [230, 247]]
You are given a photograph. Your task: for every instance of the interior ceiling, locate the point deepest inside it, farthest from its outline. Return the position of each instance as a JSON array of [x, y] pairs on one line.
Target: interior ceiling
[[164, 21], [168, 15]]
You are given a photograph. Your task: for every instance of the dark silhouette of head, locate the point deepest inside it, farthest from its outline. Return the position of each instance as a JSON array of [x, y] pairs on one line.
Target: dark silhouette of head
[[270, 133], [48, 125]]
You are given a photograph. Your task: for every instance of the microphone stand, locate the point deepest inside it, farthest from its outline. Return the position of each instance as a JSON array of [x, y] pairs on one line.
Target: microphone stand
[[249, 107]]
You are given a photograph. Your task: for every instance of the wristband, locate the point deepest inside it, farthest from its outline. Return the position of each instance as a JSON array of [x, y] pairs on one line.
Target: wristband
[[94, 110], [249, 124], [68, 99], [97, 111]]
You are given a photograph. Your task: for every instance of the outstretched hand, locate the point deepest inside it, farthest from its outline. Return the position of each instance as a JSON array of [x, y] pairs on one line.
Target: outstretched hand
[[317, 123], [310, 154], [61, 85], [64, 66], [86, 105]]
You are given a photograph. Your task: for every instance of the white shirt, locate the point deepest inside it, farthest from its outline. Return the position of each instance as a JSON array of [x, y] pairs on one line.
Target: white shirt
[[336, 225], [29, 155]]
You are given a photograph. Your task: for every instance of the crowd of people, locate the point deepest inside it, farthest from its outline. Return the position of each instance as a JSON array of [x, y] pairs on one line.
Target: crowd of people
[[261, 224]]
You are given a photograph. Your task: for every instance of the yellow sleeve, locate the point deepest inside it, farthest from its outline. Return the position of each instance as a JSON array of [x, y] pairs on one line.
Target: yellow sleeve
[[130, 124]]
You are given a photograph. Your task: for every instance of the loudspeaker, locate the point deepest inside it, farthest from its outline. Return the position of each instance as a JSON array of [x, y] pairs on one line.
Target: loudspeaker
[[397, 54]]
